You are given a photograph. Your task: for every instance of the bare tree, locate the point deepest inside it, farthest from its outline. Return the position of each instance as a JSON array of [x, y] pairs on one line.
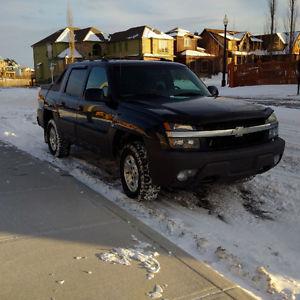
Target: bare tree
[[291, 22], [272, 9]]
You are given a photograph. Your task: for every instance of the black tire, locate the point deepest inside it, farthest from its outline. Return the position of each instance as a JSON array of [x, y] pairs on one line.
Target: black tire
[[144, 190], [58, 145]]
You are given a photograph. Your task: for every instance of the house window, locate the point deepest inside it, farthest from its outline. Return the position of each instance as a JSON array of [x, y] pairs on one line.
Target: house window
[[49, 50], [187, 42], [97, 51], [163, 46]]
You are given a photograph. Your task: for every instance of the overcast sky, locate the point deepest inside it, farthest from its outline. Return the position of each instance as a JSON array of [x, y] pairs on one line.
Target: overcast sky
[[24, 22]]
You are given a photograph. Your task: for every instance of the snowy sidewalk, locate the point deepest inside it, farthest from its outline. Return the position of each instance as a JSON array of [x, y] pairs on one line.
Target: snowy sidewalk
[[60, 240]]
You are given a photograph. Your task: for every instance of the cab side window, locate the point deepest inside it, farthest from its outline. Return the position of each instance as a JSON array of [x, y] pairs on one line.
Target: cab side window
[[98, 80], [57, 84], [76, 82]]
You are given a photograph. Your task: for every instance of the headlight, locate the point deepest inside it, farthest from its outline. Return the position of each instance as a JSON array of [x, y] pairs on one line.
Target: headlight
[[273, 132], [272, 119], [178, 127], [182, 143]]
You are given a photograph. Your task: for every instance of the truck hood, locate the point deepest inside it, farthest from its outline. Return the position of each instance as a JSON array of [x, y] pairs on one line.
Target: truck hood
[[204, 110]]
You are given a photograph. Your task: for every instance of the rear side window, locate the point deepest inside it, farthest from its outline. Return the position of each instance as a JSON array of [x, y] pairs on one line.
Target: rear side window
[[98, 79], [76, 82]]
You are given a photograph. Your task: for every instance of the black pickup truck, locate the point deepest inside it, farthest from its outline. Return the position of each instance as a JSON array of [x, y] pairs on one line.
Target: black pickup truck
[[161, 122]]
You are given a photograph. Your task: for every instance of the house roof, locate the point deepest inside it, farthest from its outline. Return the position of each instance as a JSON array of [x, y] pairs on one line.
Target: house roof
[[181, 32], [138, 33], [255, 39], [285, 36], [233, 35], [217, 31], [67, 53], [81, 35]]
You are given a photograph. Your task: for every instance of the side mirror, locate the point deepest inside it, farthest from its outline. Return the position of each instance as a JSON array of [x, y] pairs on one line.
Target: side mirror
[[94, 95], [213, 90]]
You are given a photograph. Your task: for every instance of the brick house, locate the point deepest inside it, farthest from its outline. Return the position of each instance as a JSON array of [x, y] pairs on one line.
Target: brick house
[[143, 43], [53, 50], [241, 46], [186, 51]]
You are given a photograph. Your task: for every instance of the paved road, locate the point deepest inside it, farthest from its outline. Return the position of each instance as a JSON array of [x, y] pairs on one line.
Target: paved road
[[47, 218]]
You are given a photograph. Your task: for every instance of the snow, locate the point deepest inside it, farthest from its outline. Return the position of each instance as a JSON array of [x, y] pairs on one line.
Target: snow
[[155, 55], [91, 37], [248, 231], [147, 259], [67, 53], [179, 32], [195, 53], [278, 95], [64, 36], [234, 37], [149, 33], [255, 39]]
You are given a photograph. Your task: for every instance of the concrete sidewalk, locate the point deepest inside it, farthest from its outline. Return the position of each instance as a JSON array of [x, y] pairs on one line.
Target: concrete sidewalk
[[47, 218]]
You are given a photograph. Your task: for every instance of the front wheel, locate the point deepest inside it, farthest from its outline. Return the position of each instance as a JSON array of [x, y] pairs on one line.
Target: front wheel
[[135, 175], [58, 145]]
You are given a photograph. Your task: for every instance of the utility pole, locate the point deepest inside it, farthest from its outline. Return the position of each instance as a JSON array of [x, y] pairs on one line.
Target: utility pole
[[71, 33]]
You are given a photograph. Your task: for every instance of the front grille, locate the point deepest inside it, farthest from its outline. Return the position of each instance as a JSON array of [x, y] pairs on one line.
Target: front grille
[[231, 124], [232, 142]]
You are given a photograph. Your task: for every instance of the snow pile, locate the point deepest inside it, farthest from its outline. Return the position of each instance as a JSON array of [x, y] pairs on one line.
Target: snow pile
[[146, 259], [157, 292]]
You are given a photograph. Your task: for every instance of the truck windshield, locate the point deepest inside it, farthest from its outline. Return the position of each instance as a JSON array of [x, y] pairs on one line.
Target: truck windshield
[[159, 81]]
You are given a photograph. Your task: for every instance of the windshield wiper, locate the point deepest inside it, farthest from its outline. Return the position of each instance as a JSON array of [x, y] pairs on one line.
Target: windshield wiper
[[143, 95]]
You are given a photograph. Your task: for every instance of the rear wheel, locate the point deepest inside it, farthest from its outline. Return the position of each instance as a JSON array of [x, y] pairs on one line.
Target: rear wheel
[[58, 145], [135, 175]]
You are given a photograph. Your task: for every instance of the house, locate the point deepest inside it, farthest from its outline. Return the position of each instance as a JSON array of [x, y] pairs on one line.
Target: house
[[52, 52], [278, 43], [186, 51], [241, 46], [10, 68], [143, 42], [2, 66], [27, 72]]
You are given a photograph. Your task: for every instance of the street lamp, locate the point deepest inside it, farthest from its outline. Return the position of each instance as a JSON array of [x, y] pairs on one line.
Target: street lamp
[[225, 22], [52, 66]]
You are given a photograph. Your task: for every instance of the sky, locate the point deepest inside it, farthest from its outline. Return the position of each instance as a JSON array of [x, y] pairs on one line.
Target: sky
[[24, 22]]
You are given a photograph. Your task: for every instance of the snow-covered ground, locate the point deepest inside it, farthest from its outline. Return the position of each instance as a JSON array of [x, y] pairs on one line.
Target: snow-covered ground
[[248, 232], [277, 95]]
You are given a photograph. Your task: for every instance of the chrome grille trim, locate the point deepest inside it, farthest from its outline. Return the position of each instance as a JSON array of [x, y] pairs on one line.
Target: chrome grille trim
[[238, 132]]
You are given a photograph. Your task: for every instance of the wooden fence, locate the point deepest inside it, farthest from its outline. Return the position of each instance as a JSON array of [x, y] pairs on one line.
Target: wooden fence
[[271, 72], [8, 82]]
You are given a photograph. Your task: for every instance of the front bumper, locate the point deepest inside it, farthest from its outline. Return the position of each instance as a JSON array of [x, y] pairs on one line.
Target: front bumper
[[40, 117], [229, 165]]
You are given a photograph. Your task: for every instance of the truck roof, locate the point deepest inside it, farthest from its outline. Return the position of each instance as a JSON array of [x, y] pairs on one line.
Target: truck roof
[[124, 62]]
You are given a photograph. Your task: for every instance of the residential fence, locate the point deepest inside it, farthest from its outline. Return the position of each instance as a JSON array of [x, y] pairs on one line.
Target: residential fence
[[260, 73], [8, 82]]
